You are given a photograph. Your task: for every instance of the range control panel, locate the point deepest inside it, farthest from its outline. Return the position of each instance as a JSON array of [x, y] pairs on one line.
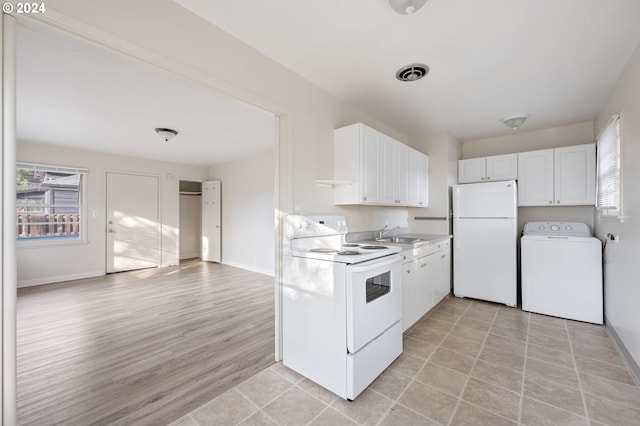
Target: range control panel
[[569, 229]]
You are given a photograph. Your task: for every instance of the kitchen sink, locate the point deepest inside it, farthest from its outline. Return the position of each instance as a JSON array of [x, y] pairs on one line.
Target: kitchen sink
[[399, 240]]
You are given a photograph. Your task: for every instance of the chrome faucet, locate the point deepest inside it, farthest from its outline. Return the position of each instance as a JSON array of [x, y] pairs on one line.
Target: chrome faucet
[[385, 230]]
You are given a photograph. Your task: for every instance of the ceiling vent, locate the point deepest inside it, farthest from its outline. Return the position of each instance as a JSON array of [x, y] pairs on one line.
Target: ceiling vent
[[412, 72]]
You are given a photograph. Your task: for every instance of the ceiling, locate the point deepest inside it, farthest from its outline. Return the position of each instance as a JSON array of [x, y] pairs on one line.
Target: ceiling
[[73, 94], [556, 60]]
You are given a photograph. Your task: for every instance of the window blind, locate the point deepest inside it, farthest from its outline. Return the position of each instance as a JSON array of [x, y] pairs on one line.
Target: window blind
[[609, 166]]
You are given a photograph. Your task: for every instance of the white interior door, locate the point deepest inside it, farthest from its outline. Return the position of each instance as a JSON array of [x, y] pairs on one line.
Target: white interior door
[[211, 226], [133, 222]]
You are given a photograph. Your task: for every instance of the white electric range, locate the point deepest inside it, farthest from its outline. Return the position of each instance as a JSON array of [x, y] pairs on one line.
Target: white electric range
[[342, 305]]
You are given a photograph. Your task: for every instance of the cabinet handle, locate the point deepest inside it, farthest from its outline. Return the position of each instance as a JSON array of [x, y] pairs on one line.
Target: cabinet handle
[[482, 178], [364, 198], [558, 202], [488, 178], [550, 202]]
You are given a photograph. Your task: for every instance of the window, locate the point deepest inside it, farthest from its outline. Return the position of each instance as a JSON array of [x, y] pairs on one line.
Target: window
[[49, 203], [609, 200]]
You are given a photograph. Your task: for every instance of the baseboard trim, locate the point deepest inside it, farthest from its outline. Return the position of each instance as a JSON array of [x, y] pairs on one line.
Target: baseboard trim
[[248, 267], [193, 255], [59, 278], [622, 349]]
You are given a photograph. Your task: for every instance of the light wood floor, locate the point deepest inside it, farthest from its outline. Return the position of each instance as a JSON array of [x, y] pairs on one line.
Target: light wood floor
[[141, 347]]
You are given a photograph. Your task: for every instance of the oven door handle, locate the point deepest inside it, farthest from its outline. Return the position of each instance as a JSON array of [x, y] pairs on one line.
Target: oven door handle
[[375, 264]]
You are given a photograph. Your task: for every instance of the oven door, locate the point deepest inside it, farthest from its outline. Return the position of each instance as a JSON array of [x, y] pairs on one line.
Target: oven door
[[374, 300]]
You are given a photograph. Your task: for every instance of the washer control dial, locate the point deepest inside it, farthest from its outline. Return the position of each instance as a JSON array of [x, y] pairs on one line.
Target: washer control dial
[[555, 228]]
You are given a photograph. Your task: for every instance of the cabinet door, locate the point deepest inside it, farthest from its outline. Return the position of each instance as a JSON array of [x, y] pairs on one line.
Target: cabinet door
[[502, 167], [535, 178], [471, 170], [575, 175], [386, 170], [424, 275], [371, 148], [410, 306], [401, 173], [442, 273], [413, 177], [423, 180]]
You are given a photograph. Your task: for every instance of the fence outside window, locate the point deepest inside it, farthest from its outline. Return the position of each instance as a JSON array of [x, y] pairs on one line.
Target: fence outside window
[[49, 202]]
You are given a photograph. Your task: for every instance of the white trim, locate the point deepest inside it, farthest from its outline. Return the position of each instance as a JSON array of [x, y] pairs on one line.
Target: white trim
[[9, 259], [193, 255], [247, 267], [59, 278]]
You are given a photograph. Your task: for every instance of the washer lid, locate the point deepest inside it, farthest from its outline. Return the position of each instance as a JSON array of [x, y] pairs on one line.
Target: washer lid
[[569, 229]]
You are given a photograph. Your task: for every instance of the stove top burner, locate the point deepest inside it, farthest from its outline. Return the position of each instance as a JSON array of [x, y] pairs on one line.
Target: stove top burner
[[323, 250], [351, 245], [374, 247], [348, 253]]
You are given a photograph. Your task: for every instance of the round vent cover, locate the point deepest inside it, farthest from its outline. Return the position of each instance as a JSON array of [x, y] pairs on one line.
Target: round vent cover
[[412, 72]]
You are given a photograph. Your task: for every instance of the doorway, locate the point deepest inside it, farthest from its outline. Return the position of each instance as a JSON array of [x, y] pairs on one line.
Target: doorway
[[190, 219], [281, 157]]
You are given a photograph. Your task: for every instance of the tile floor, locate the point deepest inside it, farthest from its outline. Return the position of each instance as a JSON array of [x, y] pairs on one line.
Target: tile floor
[[466, 363]]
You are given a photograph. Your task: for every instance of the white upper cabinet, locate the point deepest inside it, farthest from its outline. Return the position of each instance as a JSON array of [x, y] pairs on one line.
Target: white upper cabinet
[[559, 177], [401, 168], [575, 175], [535, 178], [493, 168], [472, 170], [423, 180], [374, 169]]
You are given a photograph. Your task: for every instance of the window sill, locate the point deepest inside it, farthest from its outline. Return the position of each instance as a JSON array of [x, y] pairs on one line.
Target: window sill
[[50, 243]]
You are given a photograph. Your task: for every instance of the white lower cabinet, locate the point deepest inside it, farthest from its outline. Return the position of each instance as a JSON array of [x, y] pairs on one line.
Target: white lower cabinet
[[426, 280], [442, 272]]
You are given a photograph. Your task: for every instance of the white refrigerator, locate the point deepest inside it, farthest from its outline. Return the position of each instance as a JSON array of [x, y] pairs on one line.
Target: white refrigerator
[[485, 236]]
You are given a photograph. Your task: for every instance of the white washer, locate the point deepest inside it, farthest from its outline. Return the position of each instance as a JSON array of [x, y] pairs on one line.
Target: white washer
[[561, 271]]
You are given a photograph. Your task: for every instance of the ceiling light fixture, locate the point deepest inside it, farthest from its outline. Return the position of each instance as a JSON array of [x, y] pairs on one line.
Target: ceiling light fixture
[[406, 7], [412, 72], [166, 134], [514, 121]]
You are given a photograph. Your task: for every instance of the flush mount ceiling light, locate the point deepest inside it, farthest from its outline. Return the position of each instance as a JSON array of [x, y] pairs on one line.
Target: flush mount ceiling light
[[514, 121], [166, 134], [412, 72], [406, 7]]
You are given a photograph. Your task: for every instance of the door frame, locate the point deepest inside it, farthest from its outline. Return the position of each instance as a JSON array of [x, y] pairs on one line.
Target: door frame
[[283, 162]]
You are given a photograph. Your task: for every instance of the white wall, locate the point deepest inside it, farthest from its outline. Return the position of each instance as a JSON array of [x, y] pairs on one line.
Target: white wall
[[521, 140], [248, 212], [443, 151], [622, 292], [46, 264], [190, 226]]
